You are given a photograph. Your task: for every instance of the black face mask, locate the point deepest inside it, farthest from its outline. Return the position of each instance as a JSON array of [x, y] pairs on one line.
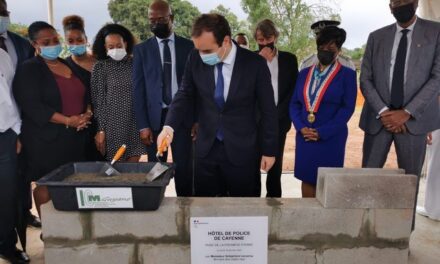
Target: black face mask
[[161, 30], [326, 57], [405, 13], [269, 45]]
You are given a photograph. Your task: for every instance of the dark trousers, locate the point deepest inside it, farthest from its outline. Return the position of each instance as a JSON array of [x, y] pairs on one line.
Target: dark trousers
[[216, 176], [8, 188], [410, 150], [273, 181], [181, 151]]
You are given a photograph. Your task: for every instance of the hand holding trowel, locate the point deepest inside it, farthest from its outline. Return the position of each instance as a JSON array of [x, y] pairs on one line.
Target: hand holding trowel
[[159, 168], [107, 169]]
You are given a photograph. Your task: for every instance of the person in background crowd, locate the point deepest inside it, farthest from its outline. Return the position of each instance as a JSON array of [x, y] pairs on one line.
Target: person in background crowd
[[10, 125], [313, 59], [158, 68], [54, 106], [112, 97], [400, 89], [82, 63], [431, 207], [283, 68], [227, 105], [322, 104], [19, 50], [242, 40]]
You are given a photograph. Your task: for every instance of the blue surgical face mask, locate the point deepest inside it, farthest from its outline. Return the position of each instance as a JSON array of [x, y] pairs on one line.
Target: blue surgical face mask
[[4, 24], [51, 52], [212, 58], [78, 50]]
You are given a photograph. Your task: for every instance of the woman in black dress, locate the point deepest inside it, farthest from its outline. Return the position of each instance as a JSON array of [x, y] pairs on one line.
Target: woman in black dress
[[82, 64], [53, 102], [112, 93]]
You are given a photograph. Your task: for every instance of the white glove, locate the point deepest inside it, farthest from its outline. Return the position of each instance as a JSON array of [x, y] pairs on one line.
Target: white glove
[[166, 134]]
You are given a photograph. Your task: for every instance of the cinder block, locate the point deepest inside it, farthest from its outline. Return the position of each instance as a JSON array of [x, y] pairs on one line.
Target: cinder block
[[62, 224], [288, 254], [368, 255], [393, 223], [169, 254], [320, 191], [306, 218], [142, 224], [90, 254], [375, 191]]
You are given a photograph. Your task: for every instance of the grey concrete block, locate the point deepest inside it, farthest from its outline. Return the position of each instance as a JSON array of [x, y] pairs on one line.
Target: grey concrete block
[[61, 224], [393, 223], [142, 224], [288, 254], [306, 219], [365, 256], [90, 254], [382, 191], [320, 191], [161, 253]]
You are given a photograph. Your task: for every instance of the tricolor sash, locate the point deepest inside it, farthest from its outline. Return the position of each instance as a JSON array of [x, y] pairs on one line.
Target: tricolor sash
[[312, 104]]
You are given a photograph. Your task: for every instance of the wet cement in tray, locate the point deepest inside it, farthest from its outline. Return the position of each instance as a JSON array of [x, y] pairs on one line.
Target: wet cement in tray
[[93, 177]]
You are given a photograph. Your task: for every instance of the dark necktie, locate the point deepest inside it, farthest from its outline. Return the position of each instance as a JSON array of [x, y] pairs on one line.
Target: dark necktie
[[167, 64], [399, 72], [3, 44], [219, 96]]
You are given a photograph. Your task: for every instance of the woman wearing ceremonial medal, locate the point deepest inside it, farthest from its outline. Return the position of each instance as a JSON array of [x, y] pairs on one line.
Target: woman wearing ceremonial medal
[[321, 106]]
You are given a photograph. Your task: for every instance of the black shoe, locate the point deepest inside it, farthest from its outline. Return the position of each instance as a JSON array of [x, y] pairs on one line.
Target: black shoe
[[34, 221], [21, 256], [18, 257]]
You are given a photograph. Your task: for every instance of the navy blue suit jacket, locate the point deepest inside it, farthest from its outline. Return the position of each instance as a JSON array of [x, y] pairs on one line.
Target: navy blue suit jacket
[[22, 46], [250, 91], [147, 81]]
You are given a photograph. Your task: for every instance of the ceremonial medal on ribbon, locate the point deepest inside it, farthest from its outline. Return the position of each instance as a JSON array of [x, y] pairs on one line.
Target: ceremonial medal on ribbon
[[312, 106]]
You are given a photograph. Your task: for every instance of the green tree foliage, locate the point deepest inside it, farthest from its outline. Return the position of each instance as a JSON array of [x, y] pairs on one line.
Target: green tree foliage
[[19, 29], [236, 25], [293, 19], [134, 15]]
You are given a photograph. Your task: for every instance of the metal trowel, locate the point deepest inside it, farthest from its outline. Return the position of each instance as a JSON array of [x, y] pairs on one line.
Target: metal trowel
[[158, 168], [107, 169]]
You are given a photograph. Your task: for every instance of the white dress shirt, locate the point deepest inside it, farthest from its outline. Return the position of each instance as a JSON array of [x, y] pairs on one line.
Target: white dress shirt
[[273, 67], [228, 67], [11, 48], [397, 37], [9, 115], [172, 45]]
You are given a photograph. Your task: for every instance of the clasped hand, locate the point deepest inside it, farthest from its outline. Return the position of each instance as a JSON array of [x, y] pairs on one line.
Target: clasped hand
[[394, 121], [310, 134], [80, 122]]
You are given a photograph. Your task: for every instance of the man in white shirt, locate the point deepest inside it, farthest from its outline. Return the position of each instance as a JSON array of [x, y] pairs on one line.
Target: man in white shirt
[[10, 125]]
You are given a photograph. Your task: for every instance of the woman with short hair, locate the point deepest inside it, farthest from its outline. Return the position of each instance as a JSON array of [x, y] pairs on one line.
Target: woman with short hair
[[322, 104], [112, 93]]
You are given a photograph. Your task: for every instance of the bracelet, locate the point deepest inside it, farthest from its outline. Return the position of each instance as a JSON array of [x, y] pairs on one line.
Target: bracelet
[[67, 122]]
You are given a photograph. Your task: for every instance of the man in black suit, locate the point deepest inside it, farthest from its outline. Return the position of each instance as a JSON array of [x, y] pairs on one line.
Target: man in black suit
[[18, 50], [230, 85], [158, 65], [283, 68]]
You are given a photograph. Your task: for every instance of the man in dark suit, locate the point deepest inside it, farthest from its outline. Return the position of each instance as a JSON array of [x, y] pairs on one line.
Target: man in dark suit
[[158, 67], [230, 84], [18, 49], [283, 68], [400, 80]]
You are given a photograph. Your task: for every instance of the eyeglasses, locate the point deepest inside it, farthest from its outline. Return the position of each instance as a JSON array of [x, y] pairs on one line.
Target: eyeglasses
[[161, 20]]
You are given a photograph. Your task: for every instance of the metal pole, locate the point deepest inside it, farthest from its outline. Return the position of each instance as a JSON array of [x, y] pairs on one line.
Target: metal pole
[[50, 11]]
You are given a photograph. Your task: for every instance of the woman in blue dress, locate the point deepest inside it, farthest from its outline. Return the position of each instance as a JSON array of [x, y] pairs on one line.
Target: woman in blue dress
[[321, 106]]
